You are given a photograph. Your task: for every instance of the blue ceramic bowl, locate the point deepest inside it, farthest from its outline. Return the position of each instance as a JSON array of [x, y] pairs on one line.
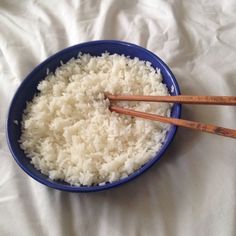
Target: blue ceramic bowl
[[28, 88]]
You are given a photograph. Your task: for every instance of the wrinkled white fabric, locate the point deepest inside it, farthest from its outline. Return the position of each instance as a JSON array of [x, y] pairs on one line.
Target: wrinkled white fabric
[[192, 190]]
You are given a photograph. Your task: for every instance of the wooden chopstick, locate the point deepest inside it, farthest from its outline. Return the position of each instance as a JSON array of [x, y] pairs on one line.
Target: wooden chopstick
[[184, 99], [209, 128]]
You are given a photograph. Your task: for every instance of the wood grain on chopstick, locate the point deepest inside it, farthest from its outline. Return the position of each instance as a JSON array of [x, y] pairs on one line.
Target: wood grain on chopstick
[[184, 99], [209, 128]]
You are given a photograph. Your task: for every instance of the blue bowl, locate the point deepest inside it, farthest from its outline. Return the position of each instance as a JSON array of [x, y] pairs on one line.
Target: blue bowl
[[28, 89]]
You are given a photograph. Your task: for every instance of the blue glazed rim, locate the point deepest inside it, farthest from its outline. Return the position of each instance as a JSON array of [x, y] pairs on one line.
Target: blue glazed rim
[[60, 185]]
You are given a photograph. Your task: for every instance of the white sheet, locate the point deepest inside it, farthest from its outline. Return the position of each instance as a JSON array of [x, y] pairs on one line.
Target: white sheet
[[192, 190]]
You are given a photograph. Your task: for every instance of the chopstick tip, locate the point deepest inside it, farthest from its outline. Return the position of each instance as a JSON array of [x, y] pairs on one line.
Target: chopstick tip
[[106, 95]]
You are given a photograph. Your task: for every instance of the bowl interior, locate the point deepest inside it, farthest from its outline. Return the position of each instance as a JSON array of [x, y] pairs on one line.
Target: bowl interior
[[28, 88]]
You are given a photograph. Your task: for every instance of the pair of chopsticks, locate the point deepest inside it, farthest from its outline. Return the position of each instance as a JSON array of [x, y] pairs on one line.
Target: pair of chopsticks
[[183, 99]]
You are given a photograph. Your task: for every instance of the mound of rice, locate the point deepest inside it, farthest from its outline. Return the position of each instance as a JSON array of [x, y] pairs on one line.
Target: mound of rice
[[69, 132]]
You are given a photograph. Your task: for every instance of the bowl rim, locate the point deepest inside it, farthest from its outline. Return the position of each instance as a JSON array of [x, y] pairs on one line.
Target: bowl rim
[[94, 188]]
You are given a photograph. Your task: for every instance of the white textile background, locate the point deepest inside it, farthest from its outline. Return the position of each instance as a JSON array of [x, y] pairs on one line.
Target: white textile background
[[192, 190]]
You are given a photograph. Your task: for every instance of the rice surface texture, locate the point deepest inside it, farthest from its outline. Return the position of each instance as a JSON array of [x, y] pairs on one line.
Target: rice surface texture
[[70, 134]]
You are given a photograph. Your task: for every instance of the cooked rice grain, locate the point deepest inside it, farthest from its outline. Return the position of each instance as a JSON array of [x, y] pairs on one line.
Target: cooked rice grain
[[69, 132]]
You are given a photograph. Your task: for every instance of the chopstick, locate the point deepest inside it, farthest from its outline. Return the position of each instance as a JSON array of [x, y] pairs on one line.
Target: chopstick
[[184, 99], [209, 128]]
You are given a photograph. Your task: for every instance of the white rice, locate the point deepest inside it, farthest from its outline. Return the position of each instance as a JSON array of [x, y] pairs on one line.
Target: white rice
[[69, 132]]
